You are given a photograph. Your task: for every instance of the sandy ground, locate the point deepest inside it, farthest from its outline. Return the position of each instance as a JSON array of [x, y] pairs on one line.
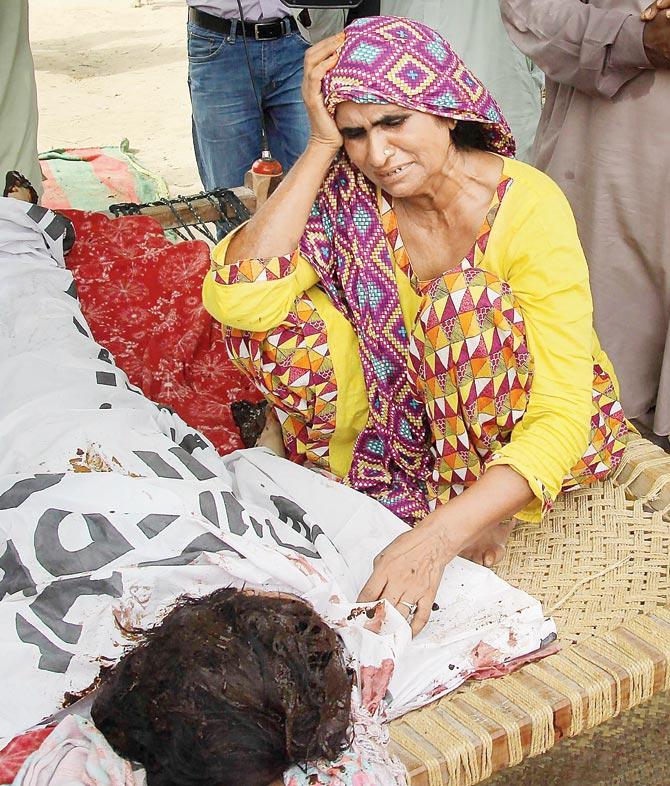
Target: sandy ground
[[106, 70]]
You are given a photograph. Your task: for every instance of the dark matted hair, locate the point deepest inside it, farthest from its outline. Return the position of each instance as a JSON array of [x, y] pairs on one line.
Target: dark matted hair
[[228, 690]]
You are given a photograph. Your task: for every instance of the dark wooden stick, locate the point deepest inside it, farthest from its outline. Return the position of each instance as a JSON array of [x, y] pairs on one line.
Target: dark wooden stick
[[202, 207]]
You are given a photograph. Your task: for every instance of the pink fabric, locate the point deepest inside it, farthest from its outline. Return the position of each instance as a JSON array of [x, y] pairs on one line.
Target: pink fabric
[[491, 669], [76, 752]]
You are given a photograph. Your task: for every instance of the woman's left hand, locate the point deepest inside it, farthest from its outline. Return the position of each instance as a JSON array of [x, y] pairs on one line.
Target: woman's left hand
[[409, 571]]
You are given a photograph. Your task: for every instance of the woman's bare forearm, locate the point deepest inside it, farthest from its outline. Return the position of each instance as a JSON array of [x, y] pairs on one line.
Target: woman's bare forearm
[[276, 229], [277, 226], [499, 493]]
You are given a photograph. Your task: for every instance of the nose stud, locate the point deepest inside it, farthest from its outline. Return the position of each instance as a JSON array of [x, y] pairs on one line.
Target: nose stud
[[387, 152]]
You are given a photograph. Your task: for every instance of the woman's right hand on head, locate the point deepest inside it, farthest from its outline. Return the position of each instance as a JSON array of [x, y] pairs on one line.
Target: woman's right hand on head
[[319, 59]]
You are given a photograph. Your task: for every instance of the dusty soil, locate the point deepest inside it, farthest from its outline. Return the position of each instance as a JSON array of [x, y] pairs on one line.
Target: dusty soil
[[107, 69]]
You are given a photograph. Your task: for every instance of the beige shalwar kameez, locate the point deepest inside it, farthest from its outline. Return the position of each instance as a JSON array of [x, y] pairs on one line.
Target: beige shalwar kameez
[[18, 96], [603, 137]]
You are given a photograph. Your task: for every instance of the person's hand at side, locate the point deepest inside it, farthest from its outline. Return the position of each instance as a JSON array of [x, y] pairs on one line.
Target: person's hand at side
[[319, 59], [652, 10], [656, 35], [409, 570]]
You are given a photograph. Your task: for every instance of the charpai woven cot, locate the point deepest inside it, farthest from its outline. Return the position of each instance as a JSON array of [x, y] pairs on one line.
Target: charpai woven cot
[[599, 562]]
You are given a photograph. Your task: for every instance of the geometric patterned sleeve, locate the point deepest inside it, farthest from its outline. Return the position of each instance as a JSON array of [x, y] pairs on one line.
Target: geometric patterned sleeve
[[254, 294], [545, 267], [249, 271]]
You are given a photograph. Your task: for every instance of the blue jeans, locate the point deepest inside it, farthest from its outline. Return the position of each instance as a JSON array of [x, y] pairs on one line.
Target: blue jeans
[[226, 123]]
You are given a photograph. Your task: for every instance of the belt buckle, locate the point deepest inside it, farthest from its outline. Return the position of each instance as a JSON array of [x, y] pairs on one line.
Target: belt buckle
[[260, 25]]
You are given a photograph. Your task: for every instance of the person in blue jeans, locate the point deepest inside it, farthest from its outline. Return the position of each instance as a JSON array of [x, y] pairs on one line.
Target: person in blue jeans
[[226, 119]]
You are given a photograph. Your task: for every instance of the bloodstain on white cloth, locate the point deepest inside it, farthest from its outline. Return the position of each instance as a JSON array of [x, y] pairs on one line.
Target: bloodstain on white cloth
[[484, 655], [489, 668], [17, 751], [374, 683]]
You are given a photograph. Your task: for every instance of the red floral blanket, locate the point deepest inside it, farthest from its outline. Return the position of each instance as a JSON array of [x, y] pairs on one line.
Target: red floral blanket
[[141, 297]]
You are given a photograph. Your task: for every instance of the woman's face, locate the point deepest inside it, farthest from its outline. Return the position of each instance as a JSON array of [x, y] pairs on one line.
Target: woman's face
[[401, 150]]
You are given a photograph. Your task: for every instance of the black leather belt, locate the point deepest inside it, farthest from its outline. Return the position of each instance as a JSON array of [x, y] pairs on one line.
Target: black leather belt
[[265, 30]]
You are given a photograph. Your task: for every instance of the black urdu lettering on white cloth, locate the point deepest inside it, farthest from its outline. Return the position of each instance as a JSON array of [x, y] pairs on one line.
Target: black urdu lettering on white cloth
[[158, 464], [37, 213], [52, 224], [291, 513], [105, 378], [81, 328], [155, 523], [192, 441], [52, 658], [57, 231], [258, 528], [107, 545], [208, 542], [72, 290], [234, 512], [208, 508], [53, 603], [234, 515], [16, 576], [198, 470], [290, 546], [21, 490]]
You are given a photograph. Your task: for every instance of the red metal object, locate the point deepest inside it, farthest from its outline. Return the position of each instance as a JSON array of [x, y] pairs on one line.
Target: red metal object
[[266, 165]]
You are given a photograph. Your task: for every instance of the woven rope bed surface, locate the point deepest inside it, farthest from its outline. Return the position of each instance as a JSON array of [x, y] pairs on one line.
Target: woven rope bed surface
[[599, 563]]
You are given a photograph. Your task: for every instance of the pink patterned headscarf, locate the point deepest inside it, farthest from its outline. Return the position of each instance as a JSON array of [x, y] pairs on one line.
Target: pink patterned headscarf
[[398, 61], [386, 59]]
